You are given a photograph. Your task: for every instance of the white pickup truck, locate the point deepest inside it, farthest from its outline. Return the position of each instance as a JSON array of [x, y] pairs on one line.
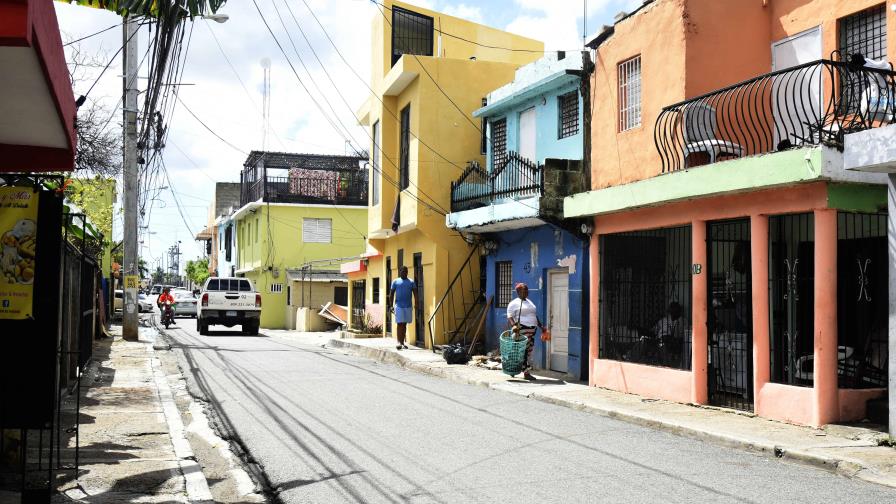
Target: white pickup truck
[[229, 302]]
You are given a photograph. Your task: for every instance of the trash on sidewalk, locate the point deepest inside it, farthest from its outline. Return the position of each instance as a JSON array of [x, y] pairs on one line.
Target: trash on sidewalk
[[491, 360], [334, 313], [455, 354]]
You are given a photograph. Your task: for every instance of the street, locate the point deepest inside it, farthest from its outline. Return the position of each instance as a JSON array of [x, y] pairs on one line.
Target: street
[[327, 427]]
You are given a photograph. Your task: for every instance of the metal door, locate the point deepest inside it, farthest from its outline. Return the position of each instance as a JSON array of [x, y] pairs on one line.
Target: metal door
[[388, 289], [358, 304], [558, 320], [527, 134], [730, 310], [419, 323]]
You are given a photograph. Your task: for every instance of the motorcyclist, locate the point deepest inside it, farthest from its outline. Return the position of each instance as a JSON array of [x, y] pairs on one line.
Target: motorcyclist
[[166, 297]]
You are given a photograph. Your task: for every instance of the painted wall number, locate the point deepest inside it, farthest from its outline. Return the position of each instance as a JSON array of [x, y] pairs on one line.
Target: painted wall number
[[696, 269]]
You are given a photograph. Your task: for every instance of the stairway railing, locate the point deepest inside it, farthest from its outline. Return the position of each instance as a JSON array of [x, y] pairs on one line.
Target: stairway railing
[[456, 305]]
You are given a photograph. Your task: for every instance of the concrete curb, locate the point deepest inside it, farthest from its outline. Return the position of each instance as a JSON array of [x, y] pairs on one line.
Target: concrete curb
[[850, 468], [196, 484]]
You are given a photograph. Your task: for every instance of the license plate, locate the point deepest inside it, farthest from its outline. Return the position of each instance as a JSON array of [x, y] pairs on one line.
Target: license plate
[[230, 314]]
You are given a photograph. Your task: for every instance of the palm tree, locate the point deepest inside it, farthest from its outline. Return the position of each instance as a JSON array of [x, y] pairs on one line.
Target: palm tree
[[153, 8]]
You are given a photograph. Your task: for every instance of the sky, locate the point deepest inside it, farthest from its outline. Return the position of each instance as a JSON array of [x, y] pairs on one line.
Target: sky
[[223, 80]]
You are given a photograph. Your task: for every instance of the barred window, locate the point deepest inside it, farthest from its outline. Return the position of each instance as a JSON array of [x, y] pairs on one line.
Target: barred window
[[865, 33], [404, 152], [499, 142], [629, 74], [483, 129], [276, 288], [375, 294], [412, 33], [503, 283], [375, 163], [568, 105], [645, 297]]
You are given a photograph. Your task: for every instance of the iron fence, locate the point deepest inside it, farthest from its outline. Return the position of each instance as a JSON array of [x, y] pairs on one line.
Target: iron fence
[[307, 186], [801, 105], [645, 297], [516, 178], [862, 300], [791, 282]]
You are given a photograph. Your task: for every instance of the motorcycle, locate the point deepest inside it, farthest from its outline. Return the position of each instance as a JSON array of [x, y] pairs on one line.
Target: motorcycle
[[167, 314]]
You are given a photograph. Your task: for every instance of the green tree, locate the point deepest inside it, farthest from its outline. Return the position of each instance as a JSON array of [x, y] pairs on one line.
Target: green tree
[[197, 270]]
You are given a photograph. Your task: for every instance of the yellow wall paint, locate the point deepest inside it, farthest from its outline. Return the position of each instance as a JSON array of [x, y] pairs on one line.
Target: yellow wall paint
[[279, 247]]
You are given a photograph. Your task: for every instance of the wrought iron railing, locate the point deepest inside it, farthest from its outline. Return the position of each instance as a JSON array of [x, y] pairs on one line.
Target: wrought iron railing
[[457, 306], [516, 178], [335, 188], [810, 104]]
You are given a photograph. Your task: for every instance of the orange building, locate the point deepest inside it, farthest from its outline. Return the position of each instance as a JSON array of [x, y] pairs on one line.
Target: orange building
[[735, 262]]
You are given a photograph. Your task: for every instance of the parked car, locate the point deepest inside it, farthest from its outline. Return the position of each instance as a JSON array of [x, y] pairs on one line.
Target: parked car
[[143, 303], [229, 302], [185, 303], [155, 290]]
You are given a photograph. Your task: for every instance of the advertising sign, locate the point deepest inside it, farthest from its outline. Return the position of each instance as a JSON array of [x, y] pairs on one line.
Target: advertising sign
[[18, 240]]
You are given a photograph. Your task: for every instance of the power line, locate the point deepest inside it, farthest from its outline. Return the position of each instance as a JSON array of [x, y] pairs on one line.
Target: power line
[[82, 98], [176, 96], [91, 35]]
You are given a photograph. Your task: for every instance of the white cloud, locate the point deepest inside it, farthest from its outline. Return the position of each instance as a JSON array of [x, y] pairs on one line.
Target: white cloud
[[559, 23], [464, 11]]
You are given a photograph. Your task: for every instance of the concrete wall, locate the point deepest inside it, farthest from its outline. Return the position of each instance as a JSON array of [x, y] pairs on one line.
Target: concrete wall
[[534, 252]]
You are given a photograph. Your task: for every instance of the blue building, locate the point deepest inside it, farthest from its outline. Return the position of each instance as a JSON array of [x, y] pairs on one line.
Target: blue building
[[534, 150]]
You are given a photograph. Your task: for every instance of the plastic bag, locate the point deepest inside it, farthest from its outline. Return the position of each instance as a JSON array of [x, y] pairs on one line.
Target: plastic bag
[[455, 354], [546, 335]]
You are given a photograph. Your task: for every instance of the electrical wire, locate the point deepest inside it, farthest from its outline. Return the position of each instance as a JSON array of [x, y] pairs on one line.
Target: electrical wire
[[91, 35], [219, 137]]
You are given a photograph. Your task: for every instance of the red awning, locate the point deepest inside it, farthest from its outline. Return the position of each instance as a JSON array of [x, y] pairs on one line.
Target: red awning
[[37, 127]]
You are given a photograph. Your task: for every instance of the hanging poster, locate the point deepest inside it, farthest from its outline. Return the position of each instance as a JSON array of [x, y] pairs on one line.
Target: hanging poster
[[18, 238]]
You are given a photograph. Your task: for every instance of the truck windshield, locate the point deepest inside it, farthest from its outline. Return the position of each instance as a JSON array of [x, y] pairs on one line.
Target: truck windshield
[[228, 285]]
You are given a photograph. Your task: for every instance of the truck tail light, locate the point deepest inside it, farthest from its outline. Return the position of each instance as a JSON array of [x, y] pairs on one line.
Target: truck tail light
[[258, 300], [205, 299]]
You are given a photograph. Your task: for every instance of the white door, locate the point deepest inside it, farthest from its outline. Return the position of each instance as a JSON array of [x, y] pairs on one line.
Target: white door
[[558, 320], [527, 134], [796, 97]]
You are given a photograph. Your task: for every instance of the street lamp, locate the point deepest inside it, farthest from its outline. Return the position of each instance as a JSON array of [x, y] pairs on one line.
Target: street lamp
[[218, 18]]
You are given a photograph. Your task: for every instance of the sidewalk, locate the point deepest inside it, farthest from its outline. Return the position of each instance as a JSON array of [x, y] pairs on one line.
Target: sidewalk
[[853, 452], [133, 444]]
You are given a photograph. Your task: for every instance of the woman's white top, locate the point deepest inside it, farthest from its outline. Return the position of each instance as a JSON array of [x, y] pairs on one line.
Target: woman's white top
[[526, 316]]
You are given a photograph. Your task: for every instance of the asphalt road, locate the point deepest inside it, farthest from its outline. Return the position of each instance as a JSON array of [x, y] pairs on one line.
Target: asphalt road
[[332, 428]]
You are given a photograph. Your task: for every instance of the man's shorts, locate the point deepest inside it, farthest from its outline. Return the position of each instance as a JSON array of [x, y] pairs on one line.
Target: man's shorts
[[404, 315]]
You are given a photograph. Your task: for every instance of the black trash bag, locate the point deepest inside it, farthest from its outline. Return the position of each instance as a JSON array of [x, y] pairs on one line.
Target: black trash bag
[[455, 354]]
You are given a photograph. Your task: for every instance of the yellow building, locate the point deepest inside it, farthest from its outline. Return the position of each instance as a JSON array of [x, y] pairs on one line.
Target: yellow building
[[300, 216], [429, 73]]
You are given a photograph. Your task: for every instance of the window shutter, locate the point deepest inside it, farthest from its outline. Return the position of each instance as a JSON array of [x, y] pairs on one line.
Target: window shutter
[[317, 230]]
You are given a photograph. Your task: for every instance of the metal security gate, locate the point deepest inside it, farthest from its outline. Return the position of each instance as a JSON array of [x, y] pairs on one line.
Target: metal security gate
[[419, 325], [730, 310], [358, 306]]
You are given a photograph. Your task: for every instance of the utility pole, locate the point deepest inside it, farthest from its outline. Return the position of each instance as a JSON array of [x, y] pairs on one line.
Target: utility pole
[[130, 266]]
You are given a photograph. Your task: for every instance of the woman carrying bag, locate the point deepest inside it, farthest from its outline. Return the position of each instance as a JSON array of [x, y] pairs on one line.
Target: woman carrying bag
[[522, 315]]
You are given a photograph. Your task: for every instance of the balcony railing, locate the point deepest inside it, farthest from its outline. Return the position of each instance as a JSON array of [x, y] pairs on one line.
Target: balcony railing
[[309, 187], [517, 178], [810, 104]]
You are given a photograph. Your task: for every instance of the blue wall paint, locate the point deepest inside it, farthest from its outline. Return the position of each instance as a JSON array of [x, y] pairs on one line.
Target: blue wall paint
[[552, 244], [547, 118]]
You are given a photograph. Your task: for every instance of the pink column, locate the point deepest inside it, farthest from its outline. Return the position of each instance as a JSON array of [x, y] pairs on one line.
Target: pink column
[[759, 255], [699, 391], [593, 302], [826, 407]]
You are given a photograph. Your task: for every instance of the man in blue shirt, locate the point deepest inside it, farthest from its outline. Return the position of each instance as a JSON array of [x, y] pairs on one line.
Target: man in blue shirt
[[402, 290]]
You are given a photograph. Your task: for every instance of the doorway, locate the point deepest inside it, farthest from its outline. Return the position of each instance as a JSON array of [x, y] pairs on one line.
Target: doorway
[[419, 323], [730, 321], [558, 320], [527, 134]]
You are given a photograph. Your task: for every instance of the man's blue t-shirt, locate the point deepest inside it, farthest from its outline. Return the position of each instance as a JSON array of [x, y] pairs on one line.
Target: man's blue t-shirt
[[403, 288]]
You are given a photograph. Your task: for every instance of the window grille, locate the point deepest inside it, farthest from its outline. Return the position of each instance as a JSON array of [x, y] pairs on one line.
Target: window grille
[[645, 297], [375, 294], [317, 230], [405, 147], [865, 33], [499, 143], [375, 163], [791, 283], [412, 33], [504, 285], [276, 288], [629, 73], [862, 300], [568, 105]]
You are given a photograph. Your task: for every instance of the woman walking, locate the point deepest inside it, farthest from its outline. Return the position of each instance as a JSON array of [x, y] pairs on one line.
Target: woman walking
[[523, 318]]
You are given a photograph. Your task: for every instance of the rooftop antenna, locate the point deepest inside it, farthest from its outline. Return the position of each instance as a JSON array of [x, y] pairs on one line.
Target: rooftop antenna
[[584, 22], [266, 103]]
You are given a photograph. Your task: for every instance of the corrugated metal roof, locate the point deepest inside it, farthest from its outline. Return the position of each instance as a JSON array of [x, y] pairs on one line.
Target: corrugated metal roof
[[309, 161]]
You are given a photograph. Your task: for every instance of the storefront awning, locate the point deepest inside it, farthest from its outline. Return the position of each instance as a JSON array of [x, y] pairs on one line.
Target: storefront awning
[[37, 126]]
